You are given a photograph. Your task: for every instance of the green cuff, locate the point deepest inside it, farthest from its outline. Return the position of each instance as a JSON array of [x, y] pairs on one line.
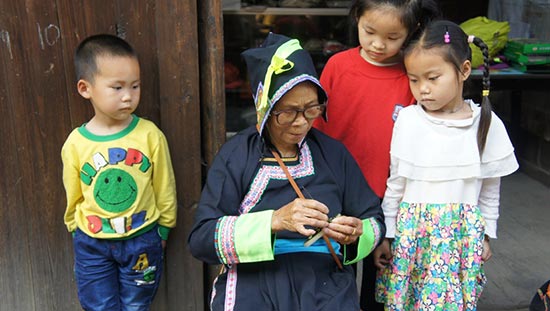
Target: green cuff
[[367, 241], [163, 232], [253, 237]]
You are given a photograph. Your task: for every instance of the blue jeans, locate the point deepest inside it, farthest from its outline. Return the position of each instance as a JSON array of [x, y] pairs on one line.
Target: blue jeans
[[118, 275]]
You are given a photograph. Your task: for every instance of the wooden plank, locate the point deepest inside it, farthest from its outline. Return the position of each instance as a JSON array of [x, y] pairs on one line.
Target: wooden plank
[[79, 19], [72, 16], [178, 56], [38, 86], [40, 105], [15, 266], [212, 95], [135, 22], [212, 78]]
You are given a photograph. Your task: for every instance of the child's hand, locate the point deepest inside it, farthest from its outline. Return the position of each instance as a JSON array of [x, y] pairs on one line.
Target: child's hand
[[486, 254], [382, 254], [163, 243]]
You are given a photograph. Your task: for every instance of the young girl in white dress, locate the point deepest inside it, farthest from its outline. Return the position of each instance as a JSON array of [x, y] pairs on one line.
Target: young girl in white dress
[[442, 199]]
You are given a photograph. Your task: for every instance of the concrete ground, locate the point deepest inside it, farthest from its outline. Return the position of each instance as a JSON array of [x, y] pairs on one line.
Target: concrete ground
[[521, 254]]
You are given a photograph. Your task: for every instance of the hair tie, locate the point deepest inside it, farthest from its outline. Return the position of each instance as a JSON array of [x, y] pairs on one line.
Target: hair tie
[[446, 36], [471, 38], [485, 93]]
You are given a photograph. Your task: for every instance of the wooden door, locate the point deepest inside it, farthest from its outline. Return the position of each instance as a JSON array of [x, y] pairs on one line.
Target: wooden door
[[179, 46]]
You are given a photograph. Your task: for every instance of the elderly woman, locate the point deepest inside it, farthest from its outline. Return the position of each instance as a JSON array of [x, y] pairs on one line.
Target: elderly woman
[[274, 185]]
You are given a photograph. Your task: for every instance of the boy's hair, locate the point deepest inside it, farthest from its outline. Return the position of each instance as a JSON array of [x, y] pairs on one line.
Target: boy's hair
[[415, 14], [85, 59], [454, 45]]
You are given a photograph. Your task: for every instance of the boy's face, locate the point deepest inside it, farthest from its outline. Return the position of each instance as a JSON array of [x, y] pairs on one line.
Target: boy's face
[[115, 91]]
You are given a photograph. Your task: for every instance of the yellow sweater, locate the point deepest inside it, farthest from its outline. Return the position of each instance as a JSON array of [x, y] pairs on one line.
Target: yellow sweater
[[119, 184]]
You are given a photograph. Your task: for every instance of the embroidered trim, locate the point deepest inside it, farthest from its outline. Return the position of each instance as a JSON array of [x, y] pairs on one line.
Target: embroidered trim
[[225, 227], [290, 84], [213, 293], [224, 240], [230, 289], [268, 172], [282, 91], [376, 231]]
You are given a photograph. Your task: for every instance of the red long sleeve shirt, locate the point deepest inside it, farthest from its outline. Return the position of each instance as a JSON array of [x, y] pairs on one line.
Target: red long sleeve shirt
[[363, 102]]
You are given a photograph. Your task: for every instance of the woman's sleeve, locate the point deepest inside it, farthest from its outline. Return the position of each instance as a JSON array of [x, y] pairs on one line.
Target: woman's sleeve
[[220, 233], [489, 199], [361, 202]]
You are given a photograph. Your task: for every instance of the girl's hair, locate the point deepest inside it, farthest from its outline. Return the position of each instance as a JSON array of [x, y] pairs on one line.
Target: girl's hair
[[415, 14], [455, 48]]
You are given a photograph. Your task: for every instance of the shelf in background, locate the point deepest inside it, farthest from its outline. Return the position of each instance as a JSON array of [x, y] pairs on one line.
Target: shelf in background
[[510, 73], [263, 10]]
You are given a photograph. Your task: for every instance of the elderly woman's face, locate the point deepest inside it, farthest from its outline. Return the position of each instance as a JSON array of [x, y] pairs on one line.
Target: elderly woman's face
[[284, 130]]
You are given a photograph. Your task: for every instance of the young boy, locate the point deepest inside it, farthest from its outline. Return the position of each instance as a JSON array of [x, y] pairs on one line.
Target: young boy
[[117, 173]]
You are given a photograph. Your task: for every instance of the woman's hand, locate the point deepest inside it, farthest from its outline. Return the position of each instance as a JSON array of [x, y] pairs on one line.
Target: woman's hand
[[344, 229], [382, 254], [300, 213], [487, 253]]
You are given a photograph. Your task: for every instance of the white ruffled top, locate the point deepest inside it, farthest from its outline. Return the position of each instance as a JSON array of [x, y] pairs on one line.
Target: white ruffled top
[[437, 161]]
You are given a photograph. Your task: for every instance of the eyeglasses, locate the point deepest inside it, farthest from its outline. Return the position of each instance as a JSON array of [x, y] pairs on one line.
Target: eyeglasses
[[288, 116]]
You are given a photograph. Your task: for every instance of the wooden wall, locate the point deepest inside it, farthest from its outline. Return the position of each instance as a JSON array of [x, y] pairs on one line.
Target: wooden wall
[[179, 44]]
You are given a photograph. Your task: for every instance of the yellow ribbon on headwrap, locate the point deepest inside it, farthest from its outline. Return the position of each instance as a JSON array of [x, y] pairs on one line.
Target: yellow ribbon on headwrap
[[279, 64]]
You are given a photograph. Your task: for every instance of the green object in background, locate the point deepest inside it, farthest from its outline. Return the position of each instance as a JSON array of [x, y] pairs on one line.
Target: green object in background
[[528, 55], [530, 46], [545, 68], [526, 59], [493, 33]]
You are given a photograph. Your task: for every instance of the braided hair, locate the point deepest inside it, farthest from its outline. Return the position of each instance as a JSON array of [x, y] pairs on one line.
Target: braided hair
[[455, 45]]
